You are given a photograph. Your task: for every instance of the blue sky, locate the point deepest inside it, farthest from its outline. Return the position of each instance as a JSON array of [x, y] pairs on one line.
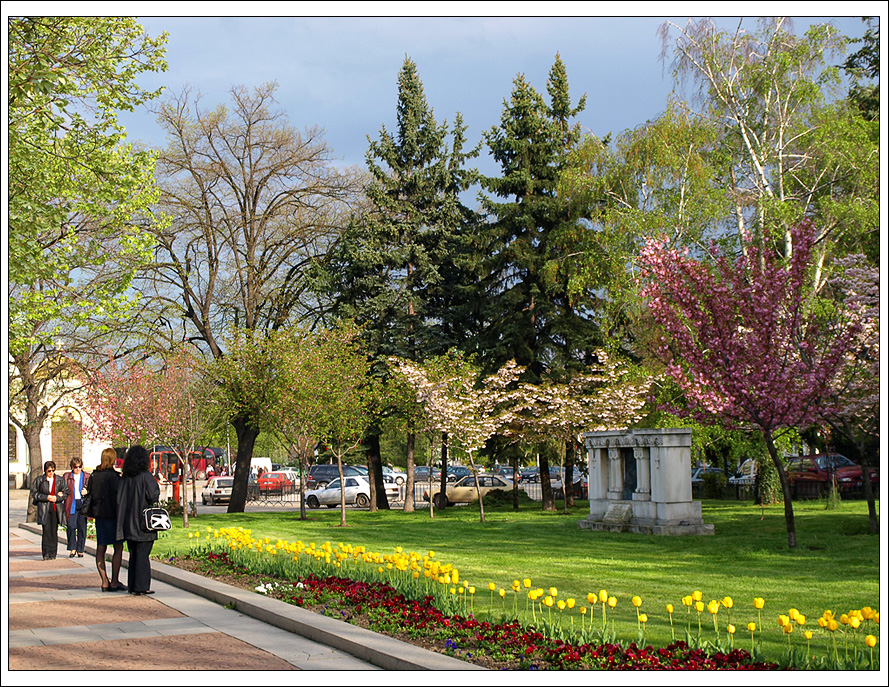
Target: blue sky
[[339, 72]]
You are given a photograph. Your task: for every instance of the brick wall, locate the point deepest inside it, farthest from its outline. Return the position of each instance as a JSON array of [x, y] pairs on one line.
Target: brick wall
[[67, 442]]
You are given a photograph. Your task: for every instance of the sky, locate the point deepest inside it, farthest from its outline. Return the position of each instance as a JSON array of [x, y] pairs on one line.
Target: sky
[[340, 72]]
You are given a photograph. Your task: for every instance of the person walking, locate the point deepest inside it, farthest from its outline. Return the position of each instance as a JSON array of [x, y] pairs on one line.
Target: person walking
[[77, 481], [48, 493], [137, 491], [102, 509]]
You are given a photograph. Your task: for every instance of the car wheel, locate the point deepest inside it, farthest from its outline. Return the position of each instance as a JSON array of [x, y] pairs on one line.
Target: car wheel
[[204, 500], [200, 475], [211, 502], [440, 501], [362, 501], [313, 502], [399, 480]]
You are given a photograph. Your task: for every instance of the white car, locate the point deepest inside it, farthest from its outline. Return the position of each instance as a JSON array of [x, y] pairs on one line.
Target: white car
[[216, 490], [397, 475], [357, 492], [746, 473]]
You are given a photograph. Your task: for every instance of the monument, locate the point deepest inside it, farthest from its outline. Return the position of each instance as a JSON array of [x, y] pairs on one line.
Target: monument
[[640, 481]]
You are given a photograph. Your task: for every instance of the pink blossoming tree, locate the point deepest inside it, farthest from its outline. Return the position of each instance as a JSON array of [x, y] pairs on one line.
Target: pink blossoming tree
[[742, 340]]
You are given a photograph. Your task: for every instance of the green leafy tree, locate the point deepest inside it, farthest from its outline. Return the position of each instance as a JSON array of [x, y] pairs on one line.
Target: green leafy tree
[[864, 67], [396, 271], [78, 196]]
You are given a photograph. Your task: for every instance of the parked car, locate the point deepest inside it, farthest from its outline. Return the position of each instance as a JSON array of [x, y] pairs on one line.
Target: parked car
[[506, 472], [746, 474], [276, 481], [357, 492], [364, 472], [697, 475], [320, 475], [465, 491], [457, 472], [421, 473], [217, 490], [824, 467], [398, 476]]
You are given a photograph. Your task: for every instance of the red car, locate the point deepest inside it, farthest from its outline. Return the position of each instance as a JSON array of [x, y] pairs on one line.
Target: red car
[[275, 481], [823, 468]]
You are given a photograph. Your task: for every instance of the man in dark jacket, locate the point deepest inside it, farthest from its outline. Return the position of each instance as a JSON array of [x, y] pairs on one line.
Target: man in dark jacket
[[48, 493]]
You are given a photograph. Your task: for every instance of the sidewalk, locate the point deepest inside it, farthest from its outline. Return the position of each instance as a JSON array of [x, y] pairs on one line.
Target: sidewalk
[[59, 619]]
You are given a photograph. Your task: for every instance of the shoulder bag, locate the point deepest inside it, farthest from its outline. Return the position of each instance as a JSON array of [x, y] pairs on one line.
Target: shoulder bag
[[156, 519]]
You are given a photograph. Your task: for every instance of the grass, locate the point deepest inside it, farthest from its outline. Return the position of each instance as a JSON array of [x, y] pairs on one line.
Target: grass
[[835, 565]]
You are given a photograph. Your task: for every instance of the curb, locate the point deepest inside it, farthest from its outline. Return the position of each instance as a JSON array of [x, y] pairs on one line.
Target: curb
[[377, 649]]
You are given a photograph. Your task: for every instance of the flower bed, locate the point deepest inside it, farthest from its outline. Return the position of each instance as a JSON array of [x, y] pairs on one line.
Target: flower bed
[[420, 600]]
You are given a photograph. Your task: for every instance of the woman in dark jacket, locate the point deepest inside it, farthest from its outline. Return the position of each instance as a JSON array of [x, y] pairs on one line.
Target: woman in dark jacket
[[103, 509], [78, 484], [48, 493], [138, 490]]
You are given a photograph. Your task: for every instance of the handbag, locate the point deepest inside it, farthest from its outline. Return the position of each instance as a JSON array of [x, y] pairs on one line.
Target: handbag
[[156, 519]]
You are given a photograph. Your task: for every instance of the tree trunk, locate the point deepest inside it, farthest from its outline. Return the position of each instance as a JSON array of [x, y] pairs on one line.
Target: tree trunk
[[35, 462], [409, 480], [546, 488], [246, 434], [514, 462], [568, 477], [444, 468], [785, 489], [378, 498]]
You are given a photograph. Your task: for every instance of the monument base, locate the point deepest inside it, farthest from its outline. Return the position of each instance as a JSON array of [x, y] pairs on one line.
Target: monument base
[[619, 517]]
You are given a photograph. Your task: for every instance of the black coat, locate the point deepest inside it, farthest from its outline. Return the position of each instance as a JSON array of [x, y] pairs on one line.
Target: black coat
[[134, 495], [104, 485], [40, 491]]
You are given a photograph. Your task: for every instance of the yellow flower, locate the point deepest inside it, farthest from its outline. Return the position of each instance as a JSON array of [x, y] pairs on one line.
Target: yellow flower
[[788, 628], [643, 618], [833, 625], [854, 622], [871, 641], [807, 634], [583, 610], [758, 603], [637, 601], [603, 596], [472, 590], [570, 602], [800, 619], [751, 627], [553, 591], [591, 598], [730, 628], [699, 606], [728, 602], [526, 583], [492, 586], [713, 607], [502, 593], [697, 595], [687, 600], [548, 601], [560, 604], [612, 601], [793, 613], [783, 620], [670, 608]]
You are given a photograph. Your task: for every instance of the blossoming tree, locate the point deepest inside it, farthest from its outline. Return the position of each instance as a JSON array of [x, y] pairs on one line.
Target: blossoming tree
[[468, 409], [742, 340]]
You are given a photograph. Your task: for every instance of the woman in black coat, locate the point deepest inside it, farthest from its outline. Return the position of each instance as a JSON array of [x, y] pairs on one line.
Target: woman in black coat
[[102, 508], [138, 490], [48, 493]]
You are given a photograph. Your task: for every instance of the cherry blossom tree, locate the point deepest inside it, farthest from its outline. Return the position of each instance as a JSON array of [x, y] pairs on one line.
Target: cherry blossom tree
[[468, 409], [742, 340]]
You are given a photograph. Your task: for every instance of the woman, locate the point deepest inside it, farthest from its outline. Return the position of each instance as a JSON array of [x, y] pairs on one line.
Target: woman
[[77, 482], [138, 490], [103, 509], [48, 493]]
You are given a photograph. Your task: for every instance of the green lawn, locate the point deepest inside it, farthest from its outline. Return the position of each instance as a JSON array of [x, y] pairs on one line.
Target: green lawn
[[836, 565]]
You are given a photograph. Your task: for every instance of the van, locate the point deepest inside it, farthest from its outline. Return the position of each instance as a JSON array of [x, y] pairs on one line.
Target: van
[[257, 464]]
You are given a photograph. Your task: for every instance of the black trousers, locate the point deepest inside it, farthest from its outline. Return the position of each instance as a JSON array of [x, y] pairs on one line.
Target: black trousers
[[139, 566], [76, 531], [49, 543]]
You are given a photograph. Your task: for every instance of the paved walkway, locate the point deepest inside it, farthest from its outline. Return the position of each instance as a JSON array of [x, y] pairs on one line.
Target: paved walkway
[[59, 619]]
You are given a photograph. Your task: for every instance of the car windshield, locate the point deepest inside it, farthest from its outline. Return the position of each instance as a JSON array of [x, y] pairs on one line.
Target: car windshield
[[833, 462], [335, 484], [224, 482]]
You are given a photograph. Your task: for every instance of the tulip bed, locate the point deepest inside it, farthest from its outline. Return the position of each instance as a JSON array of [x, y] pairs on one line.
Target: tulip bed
[[420, 599]]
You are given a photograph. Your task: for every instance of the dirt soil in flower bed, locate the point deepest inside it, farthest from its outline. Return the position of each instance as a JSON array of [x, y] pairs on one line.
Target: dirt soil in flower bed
[[251, 582]]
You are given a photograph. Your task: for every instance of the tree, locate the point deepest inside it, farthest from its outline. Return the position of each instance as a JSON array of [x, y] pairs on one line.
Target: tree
[[468, 409], [854, 409], [136, 403], [743, 340], [864, 65], [77, 196], [254, 202], [396, 272], [527, 311], [790, 153]]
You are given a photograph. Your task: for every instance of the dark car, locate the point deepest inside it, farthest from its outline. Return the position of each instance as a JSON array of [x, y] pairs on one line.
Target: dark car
[[457, 472], [822, 469], [321, 475], [508, 473], [421, 473]]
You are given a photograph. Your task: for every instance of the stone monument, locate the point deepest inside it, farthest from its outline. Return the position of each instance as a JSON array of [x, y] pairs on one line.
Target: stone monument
[[640, 481]]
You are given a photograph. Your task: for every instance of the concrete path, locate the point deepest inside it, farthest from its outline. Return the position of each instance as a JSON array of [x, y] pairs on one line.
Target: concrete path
[[59, 619]]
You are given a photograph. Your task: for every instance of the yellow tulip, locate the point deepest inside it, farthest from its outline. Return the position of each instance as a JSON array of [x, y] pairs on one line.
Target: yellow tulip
[[502, 593], [612, 601], [670, 608], [526, 583], [728, 602], [548, 601], [699, 606], [833, 625], [870, 641], [730, 628], [637, 601], [758, 603], [822, 623], [591, 598], [800, 619], [807, 634], [569, 602], [854, 623], [687, 600], [603, 596], [560, 604], [783, 620], [697, 595], [793, 613], [583, 610], [472, 590], [788, 628], [751, 627], [643, 618], [553, 591], [492, 586], [713, 607]]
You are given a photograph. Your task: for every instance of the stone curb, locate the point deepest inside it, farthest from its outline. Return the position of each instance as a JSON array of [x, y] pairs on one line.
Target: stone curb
[[377, 649]]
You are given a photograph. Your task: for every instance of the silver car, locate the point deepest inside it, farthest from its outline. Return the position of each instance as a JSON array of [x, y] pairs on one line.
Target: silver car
[[357, 492], [217, 490]]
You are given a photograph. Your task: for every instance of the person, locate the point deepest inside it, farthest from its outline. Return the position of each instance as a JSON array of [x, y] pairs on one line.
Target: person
[[102, 509], [77, 481], [137, 491], [48, 493]]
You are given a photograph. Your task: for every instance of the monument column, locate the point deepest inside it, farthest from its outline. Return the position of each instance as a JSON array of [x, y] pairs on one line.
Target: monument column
[[615, 476]]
